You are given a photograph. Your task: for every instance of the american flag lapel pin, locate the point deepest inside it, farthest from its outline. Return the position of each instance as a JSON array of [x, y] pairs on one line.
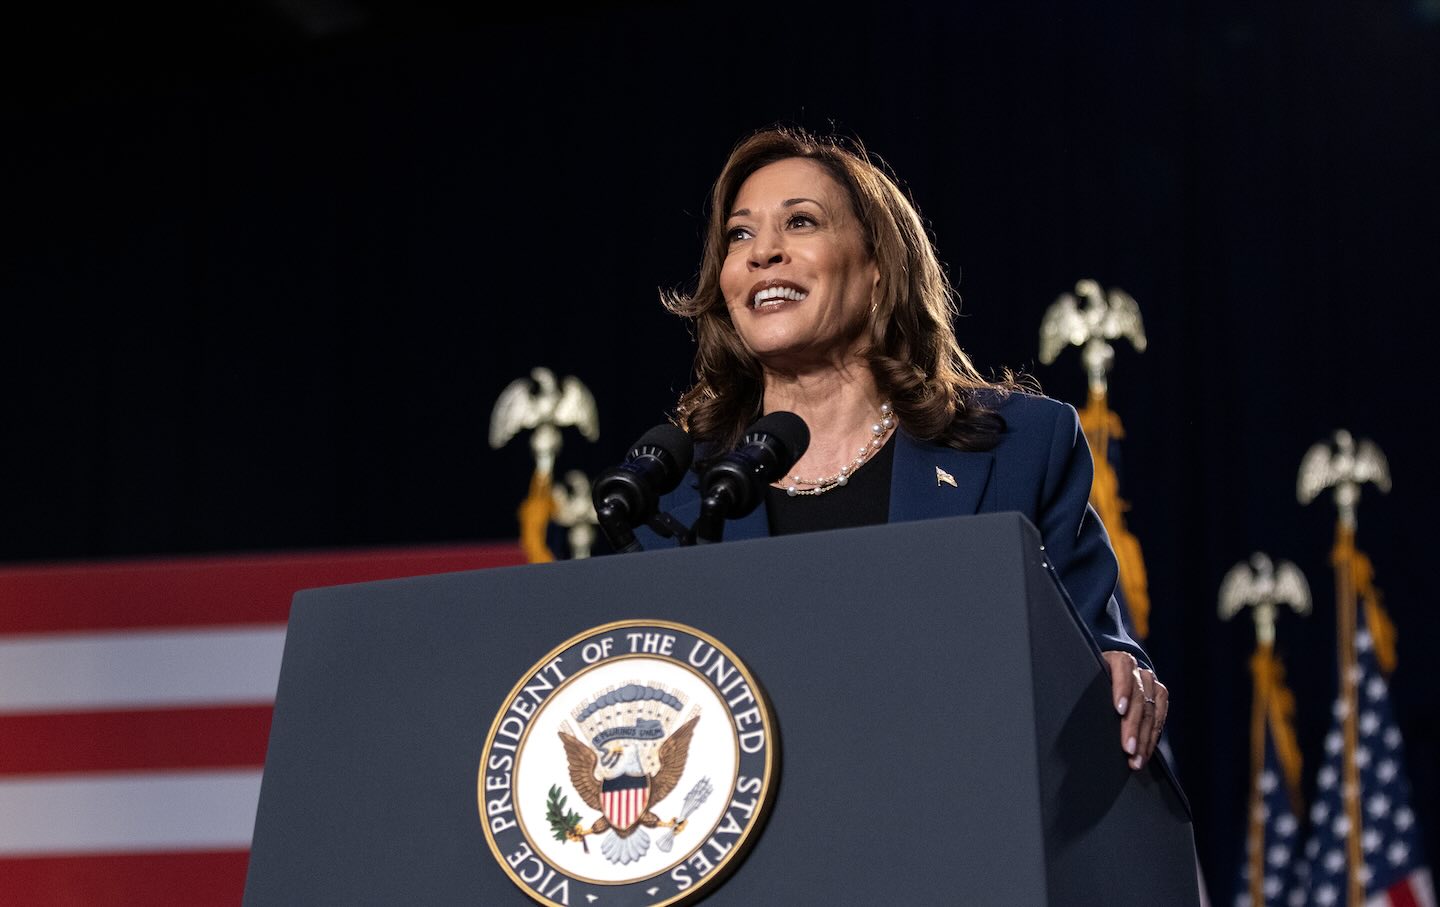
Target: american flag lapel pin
[[944, 478]]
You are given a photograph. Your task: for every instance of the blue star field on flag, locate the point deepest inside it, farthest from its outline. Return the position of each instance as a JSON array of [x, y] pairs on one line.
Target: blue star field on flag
[[1394, 870], [1279, 837]]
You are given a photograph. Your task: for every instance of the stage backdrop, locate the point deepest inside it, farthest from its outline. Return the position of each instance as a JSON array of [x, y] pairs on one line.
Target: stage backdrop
[[268, 267]]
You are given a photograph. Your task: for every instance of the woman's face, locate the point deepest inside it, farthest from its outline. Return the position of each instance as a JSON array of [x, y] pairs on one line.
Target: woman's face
[[796, 277]]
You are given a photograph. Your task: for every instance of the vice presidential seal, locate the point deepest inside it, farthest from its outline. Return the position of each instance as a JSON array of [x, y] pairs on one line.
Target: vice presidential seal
[[631, 765]]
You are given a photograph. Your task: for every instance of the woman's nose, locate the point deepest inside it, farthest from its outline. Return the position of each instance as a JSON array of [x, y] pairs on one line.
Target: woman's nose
[[767, 249]]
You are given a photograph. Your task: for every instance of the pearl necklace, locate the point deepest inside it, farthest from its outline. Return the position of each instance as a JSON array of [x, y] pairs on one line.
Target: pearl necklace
[[879, 431]]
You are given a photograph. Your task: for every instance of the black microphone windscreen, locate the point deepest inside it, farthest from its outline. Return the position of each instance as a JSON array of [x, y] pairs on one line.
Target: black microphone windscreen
[[628, 495], [672, 447], [787, 428]]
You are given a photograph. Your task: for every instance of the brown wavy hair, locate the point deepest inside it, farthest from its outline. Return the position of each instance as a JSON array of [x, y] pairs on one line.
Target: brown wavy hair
[[917, 363]]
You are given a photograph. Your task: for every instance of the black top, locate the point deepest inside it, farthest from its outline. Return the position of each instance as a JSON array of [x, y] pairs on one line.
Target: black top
[[863, 501]]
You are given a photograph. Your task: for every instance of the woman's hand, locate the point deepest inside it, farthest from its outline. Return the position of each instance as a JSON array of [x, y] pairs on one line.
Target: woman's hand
[[1142, 701]]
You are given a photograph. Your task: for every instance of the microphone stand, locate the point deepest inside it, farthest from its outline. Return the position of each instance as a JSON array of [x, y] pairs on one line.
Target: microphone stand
[[622, 538], [710, 526], [612, 521], [667, 526]]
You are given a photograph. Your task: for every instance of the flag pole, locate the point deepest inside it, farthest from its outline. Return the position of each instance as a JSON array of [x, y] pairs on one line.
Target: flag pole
[[1089, 322], [1345, 469], [1349, 673], [1262, 586]]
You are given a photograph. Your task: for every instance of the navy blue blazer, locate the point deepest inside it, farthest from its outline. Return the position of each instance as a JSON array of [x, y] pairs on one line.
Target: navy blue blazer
[[1041, 468]]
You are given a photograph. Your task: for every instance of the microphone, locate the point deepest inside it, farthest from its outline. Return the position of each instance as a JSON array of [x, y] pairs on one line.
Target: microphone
[[629, 494], [733, 486]]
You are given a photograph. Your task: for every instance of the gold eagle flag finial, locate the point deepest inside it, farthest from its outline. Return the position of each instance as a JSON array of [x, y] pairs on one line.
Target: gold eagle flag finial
[[544, 407], [1091, 322], [1091, 325], [573, 507], [1345, 467], [1262, 585]]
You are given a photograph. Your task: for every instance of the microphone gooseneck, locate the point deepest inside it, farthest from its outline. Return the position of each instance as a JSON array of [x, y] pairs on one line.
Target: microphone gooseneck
[[734, 485], [628, 495]]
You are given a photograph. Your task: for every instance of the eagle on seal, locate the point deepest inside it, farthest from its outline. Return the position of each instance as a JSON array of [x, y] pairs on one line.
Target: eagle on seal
[[613, 781]]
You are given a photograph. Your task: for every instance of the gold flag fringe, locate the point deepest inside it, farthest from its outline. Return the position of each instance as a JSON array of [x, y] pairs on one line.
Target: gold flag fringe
[[1279, 707], [1273, 705], [1100, 425], [1362, 574], [534, 515]]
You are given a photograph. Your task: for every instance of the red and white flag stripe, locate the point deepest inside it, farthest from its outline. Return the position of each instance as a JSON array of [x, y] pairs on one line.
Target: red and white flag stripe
[[625, 806], [1415, 890], [135, 705]]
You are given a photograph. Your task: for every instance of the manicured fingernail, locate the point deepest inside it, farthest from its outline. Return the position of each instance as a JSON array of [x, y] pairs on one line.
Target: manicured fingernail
[[1121, 703], [1135, 763], [1130, 746]]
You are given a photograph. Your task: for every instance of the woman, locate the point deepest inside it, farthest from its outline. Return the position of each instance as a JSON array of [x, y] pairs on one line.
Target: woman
[[820, 293]]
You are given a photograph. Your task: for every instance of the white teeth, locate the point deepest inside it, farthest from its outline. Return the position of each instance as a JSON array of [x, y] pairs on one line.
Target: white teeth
[[776, 295]]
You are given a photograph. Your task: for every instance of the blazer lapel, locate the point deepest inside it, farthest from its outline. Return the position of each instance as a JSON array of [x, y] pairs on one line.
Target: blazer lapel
[[920, 481]]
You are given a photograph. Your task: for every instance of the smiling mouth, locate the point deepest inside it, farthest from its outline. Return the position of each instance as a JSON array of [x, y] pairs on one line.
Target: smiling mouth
[[773, 296]]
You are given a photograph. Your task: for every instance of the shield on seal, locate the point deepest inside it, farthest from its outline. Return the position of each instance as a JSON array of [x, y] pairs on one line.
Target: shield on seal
[[625, 799]]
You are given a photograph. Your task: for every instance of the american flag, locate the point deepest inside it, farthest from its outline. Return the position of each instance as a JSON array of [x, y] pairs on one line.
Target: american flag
[[135, 704], [1392, 869], [1274, 836]]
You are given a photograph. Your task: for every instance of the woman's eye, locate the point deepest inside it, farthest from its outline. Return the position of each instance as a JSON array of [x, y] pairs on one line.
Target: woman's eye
[[801, 220], [735, 234]]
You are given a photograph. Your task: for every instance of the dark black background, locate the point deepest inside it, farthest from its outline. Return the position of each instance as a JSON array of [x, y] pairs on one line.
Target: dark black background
[[266, 266]]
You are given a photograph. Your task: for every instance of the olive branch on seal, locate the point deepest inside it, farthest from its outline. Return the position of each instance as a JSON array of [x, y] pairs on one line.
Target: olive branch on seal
[[562, 822]]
